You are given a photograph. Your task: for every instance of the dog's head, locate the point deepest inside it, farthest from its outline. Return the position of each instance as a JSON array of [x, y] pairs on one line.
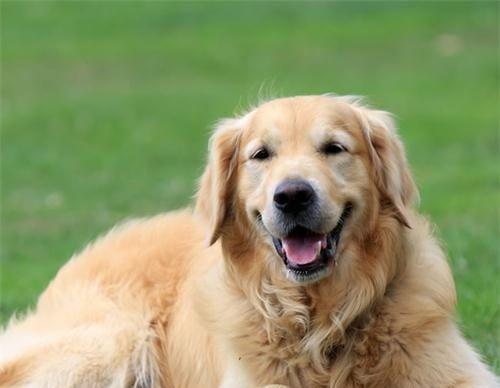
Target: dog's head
[[305, 177]]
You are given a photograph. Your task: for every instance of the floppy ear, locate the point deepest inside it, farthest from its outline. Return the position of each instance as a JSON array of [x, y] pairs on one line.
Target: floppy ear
[[214, 198], [391, 171]]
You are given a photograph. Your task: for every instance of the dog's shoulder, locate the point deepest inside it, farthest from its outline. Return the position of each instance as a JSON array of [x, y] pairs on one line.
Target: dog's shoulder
[[410, 337]]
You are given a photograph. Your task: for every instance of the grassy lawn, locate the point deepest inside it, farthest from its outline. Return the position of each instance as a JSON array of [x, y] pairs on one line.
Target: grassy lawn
[[106, 108]]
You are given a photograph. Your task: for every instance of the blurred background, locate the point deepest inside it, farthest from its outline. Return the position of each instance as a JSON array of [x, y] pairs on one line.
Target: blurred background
[[107, 106]]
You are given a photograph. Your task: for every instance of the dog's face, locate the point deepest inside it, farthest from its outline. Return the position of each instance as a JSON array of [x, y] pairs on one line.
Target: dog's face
[[308, 175]]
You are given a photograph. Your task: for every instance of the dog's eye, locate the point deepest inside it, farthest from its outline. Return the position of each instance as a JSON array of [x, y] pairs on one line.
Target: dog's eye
[[261, 154], [333, 148]]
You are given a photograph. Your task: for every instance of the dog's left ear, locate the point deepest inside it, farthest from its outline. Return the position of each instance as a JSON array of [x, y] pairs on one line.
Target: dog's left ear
[[215, 194], [391, 171]]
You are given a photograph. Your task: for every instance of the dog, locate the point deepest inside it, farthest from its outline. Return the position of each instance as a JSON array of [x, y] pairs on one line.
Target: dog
[[304, 263]]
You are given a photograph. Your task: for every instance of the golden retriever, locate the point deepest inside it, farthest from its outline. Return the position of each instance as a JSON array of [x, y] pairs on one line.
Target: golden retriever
[[304, 264]]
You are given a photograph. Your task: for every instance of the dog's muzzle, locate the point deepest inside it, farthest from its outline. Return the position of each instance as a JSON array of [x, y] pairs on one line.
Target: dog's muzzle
[[306, 254]]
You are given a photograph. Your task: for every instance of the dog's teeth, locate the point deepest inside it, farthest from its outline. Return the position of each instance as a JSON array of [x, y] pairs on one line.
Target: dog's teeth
[[324, 242]]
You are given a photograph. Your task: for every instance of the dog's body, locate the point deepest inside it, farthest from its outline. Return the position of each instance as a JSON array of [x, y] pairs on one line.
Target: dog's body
[[355, 292]]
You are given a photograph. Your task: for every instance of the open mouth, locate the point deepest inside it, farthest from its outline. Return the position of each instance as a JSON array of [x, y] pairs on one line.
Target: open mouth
[[307, 254]]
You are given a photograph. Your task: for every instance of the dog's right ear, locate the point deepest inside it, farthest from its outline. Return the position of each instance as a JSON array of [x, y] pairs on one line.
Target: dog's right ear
[[215, 194]]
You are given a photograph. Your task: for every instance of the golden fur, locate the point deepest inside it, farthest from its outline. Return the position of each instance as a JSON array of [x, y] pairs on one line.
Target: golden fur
[[200, 298]]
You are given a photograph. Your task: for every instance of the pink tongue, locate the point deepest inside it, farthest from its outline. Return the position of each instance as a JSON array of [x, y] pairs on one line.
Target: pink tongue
[[303, 250]]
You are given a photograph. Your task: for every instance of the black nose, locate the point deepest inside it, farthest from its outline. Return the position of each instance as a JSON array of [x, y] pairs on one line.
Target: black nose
[[293, 196]]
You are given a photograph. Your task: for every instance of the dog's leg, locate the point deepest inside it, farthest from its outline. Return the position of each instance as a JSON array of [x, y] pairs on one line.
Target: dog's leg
[[116, 351]]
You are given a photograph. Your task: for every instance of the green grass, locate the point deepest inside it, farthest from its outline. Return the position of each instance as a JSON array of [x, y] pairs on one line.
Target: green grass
[[106, 108]]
